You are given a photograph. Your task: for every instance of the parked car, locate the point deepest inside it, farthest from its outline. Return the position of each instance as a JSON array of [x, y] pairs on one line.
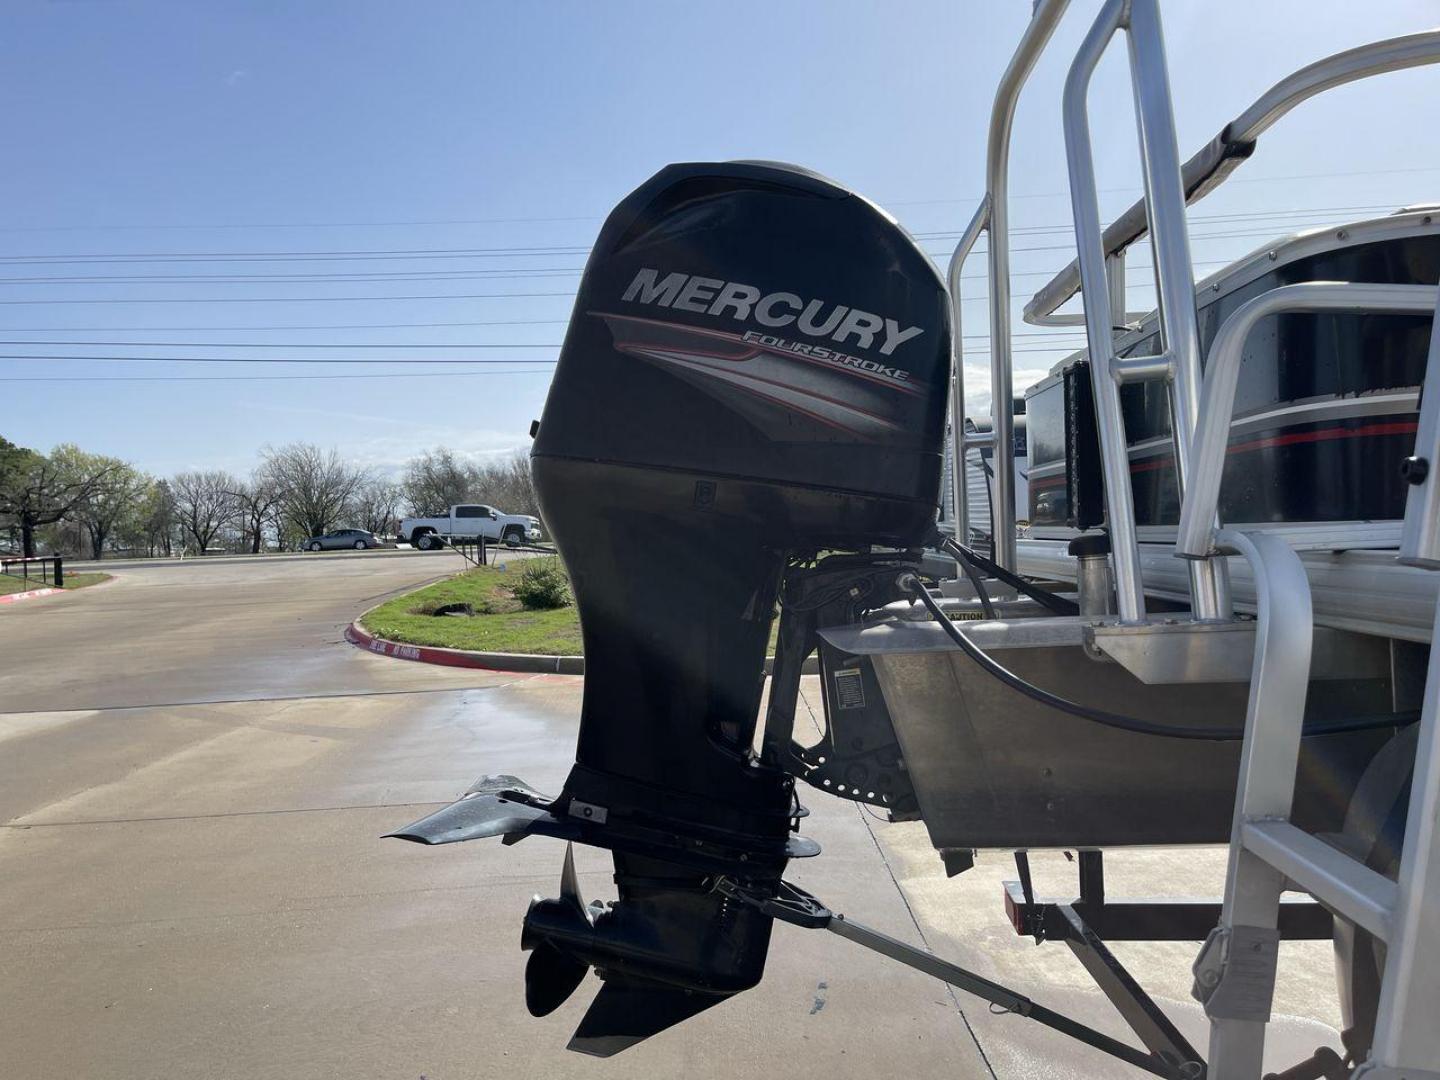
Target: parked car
[[470, 521], [343, 538]]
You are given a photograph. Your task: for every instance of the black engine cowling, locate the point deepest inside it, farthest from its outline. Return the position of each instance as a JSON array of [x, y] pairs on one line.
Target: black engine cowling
[[756, 370], [757, 365]]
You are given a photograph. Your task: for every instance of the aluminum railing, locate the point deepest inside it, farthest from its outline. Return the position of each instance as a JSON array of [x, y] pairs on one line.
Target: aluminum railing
[[1169, 186], [1236, 970], [1217, 401], [1213, 163], [993, 218], [1178, 362]]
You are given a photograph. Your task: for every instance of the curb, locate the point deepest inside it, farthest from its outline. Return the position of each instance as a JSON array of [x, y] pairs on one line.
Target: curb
[[544, 663], [488, 661], [33, 594]]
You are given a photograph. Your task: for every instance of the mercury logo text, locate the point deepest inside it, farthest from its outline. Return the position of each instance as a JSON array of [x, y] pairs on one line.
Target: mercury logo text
[[816, 318]]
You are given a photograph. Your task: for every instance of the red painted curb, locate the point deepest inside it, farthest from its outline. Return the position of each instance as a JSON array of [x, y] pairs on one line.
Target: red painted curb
[[16, 597], [427, 654], [529, 662]]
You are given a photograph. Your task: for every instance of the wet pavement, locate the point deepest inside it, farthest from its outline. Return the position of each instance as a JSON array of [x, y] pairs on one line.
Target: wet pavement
[[195, 770]]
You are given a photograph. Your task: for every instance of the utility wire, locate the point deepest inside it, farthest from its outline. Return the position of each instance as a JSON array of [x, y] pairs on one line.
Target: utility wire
[[970, 201], [248, 378], [570, 249], [295, 299], [278, 359], [420, 275]]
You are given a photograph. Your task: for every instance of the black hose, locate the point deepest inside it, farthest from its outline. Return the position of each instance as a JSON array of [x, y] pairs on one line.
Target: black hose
[[968, 557], [981, 593], [1129, 723]]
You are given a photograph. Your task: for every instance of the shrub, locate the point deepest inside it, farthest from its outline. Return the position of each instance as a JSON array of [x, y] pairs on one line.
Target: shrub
[[543, 585]]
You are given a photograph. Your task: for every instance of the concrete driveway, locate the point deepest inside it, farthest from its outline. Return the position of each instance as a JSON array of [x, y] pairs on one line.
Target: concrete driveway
[[195, 769]]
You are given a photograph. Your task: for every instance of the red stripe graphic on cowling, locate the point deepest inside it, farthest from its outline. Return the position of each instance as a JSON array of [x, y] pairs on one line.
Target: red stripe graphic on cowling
[[665, 354], [752, 349], [737, 379]]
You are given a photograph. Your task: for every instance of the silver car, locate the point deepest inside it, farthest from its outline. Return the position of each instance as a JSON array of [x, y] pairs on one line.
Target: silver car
[[343, 538]]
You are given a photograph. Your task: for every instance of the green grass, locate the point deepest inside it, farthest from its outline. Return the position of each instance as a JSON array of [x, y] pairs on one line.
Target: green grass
[[500, 624], [11, 584], [505, 626]]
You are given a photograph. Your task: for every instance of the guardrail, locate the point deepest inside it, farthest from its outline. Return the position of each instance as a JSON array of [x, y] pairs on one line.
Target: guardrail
[[54, 577]]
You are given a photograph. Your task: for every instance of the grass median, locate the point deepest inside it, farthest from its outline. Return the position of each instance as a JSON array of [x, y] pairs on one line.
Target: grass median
[[11, 584], [500, 623]]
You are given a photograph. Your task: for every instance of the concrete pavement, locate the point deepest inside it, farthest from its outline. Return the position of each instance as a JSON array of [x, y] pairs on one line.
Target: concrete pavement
[[194, 774], [195, 769]]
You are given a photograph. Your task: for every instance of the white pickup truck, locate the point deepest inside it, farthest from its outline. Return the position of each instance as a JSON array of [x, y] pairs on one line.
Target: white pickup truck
[[469, 522]]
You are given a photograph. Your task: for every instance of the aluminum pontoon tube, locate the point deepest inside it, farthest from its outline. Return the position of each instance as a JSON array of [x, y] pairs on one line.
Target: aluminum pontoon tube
[[1214, 162], [959, 482], [997, 178], [1195, 538]]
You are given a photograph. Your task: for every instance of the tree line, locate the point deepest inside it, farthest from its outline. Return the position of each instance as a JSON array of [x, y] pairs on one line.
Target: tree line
[[73, 502]]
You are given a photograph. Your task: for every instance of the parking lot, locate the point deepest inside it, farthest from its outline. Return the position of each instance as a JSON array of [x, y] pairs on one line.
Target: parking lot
[[196, 768]]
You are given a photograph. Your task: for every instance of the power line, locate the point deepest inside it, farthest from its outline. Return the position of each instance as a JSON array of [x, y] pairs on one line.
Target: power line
[[354, 326], [523, 251], [110, 358], [271, 329], [970, 201], [295, 299], [276, 359], [282, 345], [248, 378]]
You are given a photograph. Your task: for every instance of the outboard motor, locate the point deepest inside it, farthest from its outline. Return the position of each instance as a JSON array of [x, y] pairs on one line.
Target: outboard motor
[[755, 372]]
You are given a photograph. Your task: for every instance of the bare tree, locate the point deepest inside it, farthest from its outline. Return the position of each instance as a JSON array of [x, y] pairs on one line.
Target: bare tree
[[36, 490], [507, 484], [377, 506], [313, 487], [437, 480], [255, 502], [203, 504]]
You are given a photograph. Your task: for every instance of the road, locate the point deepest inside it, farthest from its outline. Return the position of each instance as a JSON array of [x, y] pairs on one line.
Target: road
[[195, 770]]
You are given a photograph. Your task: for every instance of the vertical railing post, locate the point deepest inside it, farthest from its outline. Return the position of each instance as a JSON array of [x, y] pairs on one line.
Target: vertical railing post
[[59, 571], [1101, 279], [1114, 452], [959, 481], [997, 179], [1174, 269]]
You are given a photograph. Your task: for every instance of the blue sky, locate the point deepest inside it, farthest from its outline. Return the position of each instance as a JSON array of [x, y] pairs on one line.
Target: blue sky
[[221, 129]]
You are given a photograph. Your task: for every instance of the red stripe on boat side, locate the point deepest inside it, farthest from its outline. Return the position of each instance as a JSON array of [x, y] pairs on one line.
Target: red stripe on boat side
[[1396, 427]]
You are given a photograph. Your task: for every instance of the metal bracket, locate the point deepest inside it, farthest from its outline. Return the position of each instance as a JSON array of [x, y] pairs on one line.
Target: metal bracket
[[1179, 652], [1235, 973]]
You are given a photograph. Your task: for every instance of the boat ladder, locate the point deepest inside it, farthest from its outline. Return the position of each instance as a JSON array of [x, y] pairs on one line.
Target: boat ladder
[[1235, 972]]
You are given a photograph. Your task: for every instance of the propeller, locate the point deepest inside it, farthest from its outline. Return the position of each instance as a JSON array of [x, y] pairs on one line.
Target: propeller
[[551, 976]]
